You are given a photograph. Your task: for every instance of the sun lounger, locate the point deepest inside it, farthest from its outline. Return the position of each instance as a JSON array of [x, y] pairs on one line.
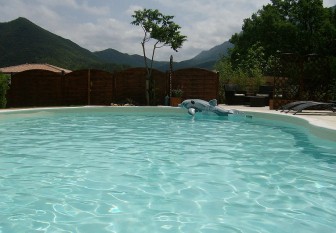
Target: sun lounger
[[313, 105], [291, 105]]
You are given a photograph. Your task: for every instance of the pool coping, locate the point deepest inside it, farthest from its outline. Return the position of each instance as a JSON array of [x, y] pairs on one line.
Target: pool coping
[[321, 123]]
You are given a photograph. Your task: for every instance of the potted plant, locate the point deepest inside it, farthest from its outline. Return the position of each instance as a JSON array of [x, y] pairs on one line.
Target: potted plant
[[176, 97]]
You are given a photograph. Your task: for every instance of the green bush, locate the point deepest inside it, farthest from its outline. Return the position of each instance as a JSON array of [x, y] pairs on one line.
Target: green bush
[[248, 81], [4, 80], [332, 85]]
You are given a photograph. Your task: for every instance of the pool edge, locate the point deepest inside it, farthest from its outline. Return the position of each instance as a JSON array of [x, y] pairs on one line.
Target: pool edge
[[313, 127]]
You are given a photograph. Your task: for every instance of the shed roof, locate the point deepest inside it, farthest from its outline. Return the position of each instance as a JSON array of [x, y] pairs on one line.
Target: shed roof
[[24, 67]]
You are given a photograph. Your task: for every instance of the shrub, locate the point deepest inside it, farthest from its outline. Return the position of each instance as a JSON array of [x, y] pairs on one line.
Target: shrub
[[177, 93], [4, 80], [332, 85], [247, 80]]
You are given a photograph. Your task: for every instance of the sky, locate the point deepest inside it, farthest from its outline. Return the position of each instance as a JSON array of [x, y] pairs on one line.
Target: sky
[[101, 24]]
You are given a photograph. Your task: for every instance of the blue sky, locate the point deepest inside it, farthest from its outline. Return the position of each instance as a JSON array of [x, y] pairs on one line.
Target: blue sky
[[100, 24]]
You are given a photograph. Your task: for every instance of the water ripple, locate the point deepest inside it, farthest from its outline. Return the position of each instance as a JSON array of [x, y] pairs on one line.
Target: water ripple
[[81, 172]]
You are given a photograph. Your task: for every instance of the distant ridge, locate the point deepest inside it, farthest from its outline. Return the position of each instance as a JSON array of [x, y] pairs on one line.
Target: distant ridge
[[207, 59], [215, 53], [114, 56], [21, 42]]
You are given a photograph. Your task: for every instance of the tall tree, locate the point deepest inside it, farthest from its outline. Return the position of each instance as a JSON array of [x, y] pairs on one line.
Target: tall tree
[[164, 32], [294, 26]]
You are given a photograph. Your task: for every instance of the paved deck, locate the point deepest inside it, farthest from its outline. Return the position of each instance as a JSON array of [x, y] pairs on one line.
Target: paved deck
[[325, 119]]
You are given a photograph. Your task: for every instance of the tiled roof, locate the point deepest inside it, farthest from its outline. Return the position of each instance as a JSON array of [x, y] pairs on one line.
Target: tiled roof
[[24, 67]]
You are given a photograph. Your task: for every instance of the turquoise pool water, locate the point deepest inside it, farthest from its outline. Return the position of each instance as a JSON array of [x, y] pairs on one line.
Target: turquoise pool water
[[147, 171]]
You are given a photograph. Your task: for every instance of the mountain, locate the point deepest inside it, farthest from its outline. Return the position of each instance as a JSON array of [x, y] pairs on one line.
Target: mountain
[[206, 59], [215, 53], [116, 57], [21, 41]]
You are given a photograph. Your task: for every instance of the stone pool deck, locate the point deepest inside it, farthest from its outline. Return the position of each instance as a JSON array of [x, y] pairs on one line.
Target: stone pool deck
[[325, 119]]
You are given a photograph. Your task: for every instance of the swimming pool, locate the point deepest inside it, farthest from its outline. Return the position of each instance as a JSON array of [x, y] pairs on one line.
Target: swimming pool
[[158, 170]]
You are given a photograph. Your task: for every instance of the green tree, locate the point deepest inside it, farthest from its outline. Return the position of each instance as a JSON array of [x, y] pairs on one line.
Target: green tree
[[248, 75], [164, 32], [268, 28], [288, 26], [253, 60]]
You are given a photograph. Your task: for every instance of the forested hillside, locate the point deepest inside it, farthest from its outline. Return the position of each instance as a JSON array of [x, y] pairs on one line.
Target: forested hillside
[[21, 41]]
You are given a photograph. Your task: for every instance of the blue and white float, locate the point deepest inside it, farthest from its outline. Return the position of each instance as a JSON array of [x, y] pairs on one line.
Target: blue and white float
[[198, 105]]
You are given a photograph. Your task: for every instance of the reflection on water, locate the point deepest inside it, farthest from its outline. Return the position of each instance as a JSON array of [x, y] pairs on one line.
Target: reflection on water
[[114, 172]]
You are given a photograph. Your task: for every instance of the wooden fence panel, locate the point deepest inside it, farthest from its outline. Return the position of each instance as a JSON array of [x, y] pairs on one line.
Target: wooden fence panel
[[21, 92], [196, 83], [130, 85], [101, 87], [161, 86], [76, 89], [35, 88]]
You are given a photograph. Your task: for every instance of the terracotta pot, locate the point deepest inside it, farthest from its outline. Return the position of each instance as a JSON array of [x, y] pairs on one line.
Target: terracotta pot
[[175, 101]]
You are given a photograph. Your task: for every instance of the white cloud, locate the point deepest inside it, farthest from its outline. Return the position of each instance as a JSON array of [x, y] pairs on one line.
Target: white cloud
[[101, 24], [329, 3], [98, 25], [77, 5], [132, 8], [209, 23], [105, 33]]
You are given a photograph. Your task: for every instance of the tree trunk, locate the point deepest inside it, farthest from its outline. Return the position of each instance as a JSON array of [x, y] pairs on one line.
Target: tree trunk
[[150, 90], [147, 91]]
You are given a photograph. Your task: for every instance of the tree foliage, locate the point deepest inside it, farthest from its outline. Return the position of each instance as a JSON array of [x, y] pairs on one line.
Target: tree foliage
[[4, 80], [163, 31], [248, 77], [288, 26], [302, 31]]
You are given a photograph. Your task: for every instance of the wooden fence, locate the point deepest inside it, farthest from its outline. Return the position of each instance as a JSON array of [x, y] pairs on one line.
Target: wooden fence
[[35, 88], [196, 83], [38, 88]]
